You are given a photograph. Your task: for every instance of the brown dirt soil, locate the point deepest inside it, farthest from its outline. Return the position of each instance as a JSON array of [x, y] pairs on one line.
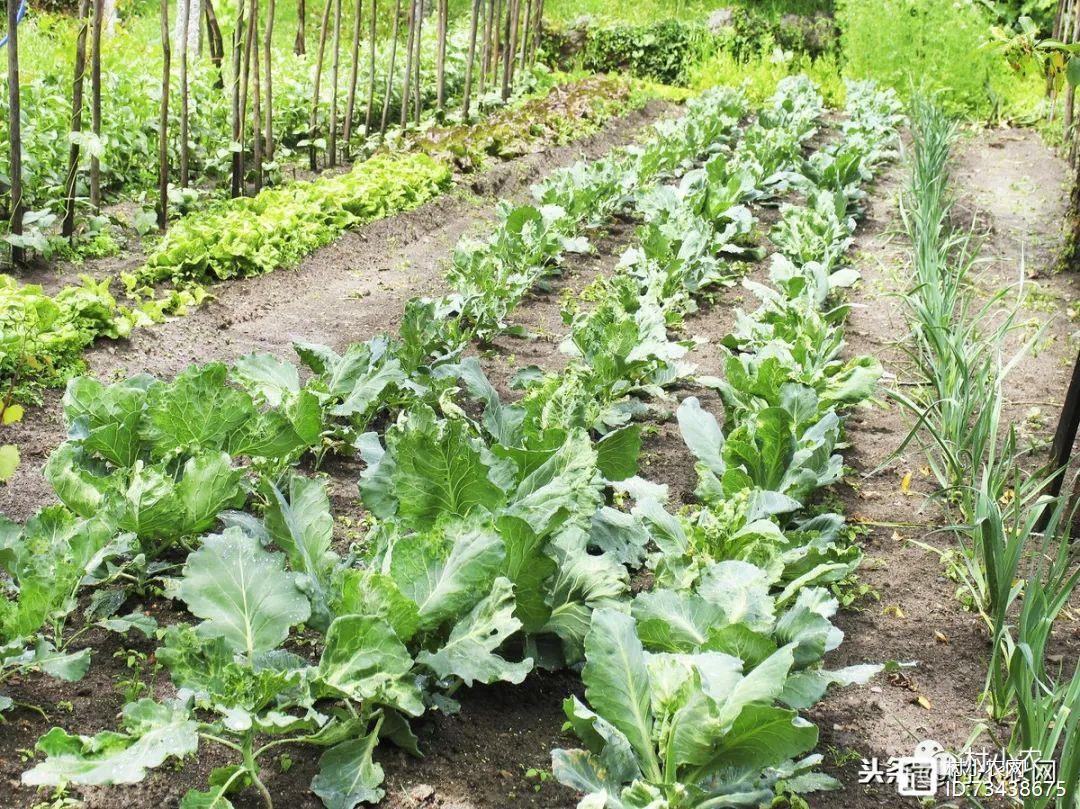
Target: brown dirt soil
[[479, 758]]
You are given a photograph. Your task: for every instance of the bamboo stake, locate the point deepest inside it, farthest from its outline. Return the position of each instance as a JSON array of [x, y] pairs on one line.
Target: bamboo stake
[[163, 130], [215, 41], [419, 42], [496, 43], [507, 50], [238, 165], [268, 101], [300, 43], [95, 102], [68, 228], [485, 66], [245, 89], [512, 50], [469, 61], [538, 31], [237, 144], [407, 85], [525, 30], [371, 72], [1070, 91], [350, 103], [1056, 34], [313, 120], [334, 70], [185, 24], [390, 71], [18, 254], [256, 107], [440, 53]]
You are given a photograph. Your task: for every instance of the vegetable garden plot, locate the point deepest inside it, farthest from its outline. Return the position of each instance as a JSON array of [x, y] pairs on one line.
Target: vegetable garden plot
[[493, 551], [43, 336]]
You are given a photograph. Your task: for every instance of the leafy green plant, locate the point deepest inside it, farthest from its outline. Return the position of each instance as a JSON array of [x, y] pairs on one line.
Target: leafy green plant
[[45, 562], [566, 112], [278, 227], [688, 730], [678, 691]]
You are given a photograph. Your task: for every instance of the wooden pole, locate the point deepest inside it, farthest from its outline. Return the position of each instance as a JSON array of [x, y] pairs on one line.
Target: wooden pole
[[469, 60], [1064, 438], [1070, 90], [185, 24], [443, 22], [163, 125], [68, 228], [268, 100], [238, 148], [526, 21], [1056, 35], [538, 31], [508, 49], [497, 43], [334, 70], [485, 66], [368, 117], [95, 101], [313, 119], [300, 43], [515, 26], [419, 40], [256, 106], [354, 69], [245, 89], [18, 254], [390, 70], [215, 41], [407, 86]]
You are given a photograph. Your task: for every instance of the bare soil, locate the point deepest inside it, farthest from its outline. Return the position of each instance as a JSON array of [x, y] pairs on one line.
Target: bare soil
[[481, 758]]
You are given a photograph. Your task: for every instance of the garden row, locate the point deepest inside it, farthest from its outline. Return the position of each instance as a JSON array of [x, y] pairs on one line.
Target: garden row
[[493, 550], [1015, 558], [42, 336]]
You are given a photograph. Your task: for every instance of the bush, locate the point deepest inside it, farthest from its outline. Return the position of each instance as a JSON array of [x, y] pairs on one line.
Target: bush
[[933, 46], [748, 33], [669, 51], [758, 74], [662, 51]]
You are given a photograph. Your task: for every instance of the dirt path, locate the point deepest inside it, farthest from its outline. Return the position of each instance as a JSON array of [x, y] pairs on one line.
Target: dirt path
[[348, 291], [1013, 186]]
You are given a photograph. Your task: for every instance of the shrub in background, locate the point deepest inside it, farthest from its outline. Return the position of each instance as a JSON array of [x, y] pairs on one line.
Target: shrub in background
[[934, 46], [748, 33], [662, 51], [671, 50], [759, 73], [647, 11]]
